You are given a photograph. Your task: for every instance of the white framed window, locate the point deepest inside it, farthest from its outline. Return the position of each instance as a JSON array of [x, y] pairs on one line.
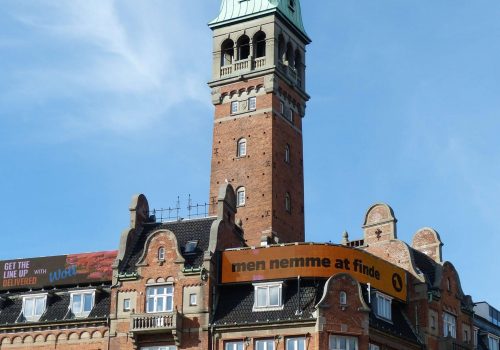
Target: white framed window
[[234, 107], [282, 108], [493, 343], [287, 153], [474, 341], [164, 347], [289, 114], [297, 343], [384, 306], [34, 306], [449, 325], [241, 149], [343, 298], [264, 344], [373, 347], [82, 302], [252, 103], [127, 306], [268, 296], [240, 197], [234, 345], [339, 342], [288, 202], [193, 299], [160, 298], [161, 254]]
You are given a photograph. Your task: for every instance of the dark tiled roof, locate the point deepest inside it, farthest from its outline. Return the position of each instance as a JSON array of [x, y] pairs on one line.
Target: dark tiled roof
[[399, 326], [58, 304], [235, 304], [185, 231], [426, 265]]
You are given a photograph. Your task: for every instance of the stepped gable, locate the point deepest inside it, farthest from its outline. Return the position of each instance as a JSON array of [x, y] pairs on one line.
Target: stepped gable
[[184, 231]]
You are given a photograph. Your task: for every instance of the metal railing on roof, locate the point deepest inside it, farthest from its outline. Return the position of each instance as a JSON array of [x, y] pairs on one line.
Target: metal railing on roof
[[178, 212]]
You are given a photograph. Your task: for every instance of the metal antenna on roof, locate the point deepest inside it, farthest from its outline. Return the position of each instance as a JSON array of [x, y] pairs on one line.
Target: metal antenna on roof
[[178, 207], [298, 312], [189, 206]]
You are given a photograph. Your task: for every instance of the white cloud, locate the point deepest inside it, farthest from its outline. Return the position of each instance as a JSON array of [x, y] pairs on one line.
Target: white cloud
[[107, 65]]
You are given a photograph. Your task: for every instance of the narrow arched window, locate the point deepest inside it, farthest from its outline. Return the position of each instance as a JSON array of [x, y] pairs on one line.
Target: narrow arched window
[[241, 150], [289, 55], [288, 202], [240, 196], [227, 52], [287, 153], [343, 298], [161, 254], [281, 48], [260, 44], [243, 47]]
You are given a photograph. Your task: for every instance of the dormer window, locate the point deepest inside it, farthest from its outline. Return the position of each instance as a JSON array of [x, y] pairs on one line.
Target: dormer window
[[161, 254], [384, 306], [190, 247], [82, 303], [268, 296], [34, 306]]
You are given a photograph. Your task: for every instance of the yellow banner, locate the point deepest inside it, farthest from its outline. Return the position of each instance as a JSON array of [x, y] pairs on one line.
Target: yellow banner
[[312, 260]]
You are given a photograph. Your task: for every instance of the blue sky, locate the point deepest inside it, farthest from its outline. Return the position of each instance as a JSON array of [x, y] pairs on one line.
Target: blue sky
[[102, 99]]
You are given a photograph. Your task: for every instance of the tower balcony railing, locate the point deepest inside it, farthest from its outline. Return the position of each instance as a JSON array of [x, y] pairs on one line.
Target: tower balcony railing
[[242, 66], [155, 323], [259, 62]]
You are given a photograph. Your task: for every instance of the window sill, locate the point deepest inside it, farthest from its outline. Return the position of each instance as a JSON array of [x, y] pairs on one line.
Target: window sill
[[267, 308]]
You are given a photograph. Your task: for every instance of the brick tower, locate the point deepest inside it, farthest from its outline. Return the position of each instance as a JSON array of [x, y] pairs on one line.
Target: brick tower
[[258, 89]]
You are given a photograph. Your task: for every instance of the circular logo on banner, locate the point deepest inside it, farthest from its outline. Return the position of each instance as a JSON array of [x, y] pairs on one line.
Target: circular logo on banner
[[397, 282]]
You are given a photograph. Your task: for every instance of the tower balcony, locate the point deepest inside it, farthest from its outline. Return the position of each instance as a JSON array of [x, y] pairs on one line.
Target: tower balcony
[[170, 322], [242, 66]]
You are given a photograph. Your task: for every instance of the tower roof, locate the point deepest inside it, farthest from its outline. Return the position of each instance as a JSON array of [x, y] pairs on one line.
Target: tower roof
[[237, 10]]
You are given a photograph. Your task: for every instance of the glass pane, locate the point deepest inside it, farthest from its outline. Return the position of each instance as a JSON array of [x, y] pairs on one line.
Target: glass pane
[[77, 303], [87, 303], [150, 291], [290, 344], [39, 306], [160, 290], [352, 344], [29, 307], [170, 306], [301, 344], [261, 297], [342, 343], [151, 305], [160, 304], [170, 289], [274, 295]]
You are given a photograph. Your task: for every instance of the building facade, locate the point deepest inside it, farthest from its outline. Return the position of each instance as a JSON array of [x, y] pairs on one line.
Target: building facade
[[243, 277]]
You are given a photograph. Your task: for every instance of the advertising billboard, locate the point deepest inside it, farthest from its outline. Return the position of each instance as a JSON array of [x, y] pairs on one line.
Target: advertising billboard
[[312, 260], [52, 271]]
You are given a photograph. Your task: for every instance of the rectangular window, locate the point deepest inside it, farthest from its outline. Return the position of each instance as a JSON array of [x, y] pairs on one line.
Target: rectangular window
[[373, 347], [474, 341], [339, 342], [298, 343], [267, 296], [165, 347], [289, 114], [252, 103], [234, 107], [126, 305], [264, 344], [449, 325], [160, 299], [34, 307], [493, 343], [282, 108], [384, 306], [234, 345], [82, 303], [193, 299]]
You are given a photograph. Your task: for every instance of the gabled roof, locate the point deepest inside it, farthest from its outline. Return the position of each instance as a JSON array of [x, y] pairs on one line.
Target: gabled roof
[[184, 231], [238, 10]]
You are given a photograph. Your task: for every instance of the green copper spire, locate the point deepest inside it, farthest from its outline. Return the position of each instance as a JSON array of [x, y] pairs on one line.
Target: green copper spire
[[237, 10]]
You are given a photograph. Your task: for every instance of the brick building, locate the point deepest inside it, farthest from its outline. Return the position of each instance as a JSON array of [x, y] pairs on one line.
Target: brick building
[[243, 277]]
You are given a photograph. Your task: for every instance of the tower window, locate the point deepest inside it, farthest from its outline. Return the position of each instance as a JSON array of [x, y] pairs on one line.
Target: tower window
[[227, 52], [281, 48], [282, 108], [234, 107], [252, 103], [287, 153], [243, 47], [289, 114], [260, 44], [288, 202], [241, 151], [240, 197]]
